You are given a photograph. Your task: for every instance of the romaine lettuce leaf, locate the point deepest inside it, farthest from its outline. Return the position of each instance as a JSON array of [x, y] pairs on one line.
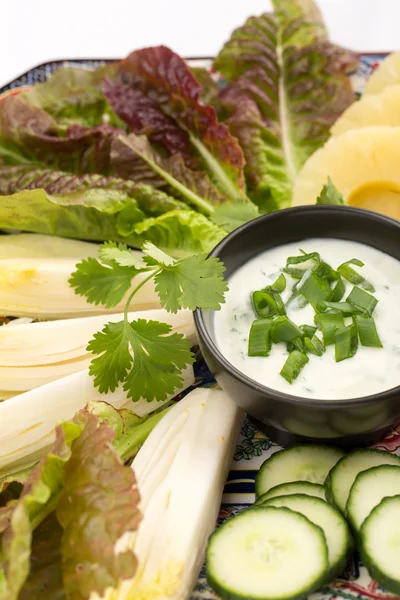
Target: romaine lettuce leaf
[[287, 85], [72, 95], [23, 177], [164, 76]]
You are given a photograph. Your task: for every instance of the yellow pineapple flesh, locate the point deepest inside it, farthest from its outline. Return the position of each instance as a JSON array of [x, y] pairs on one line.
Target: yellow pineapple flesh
[[388, 73], [363, 164], [377, 109]]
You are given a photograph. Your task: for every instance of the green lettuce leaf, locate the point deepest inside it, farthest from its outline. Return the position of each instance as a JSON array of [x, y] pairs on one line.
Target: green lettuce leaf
[[287, 85], [232, 215], [107, 215], [180, 233], [72, 95], [23, 177], [164, 76], [92, 214]]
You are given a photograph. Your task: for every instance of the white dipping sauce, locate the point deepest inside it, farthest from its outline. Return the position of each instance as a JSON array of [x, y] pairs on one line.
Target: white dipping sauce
[[370, 371]]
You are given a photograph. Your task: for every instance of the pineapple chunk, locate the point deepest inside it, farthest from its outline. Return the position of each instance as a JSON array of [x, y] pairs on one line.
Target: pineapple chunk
[[377, 109], [363, 165], [388, 73]]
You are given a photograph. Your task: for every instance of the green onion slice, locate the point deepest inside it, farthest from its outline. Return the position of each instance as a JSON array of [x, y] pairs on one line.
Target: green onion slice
[[284, 330], [364, 302], [260, 338], [326, 272], [329, 323], [280, 284], [314, 345], [293, 365], [352, 276], [314, 289], [308, 330], [346, 342], [296, 343], [345, 308], [338, 290], [264, 304], [367, 331], [307, 261]]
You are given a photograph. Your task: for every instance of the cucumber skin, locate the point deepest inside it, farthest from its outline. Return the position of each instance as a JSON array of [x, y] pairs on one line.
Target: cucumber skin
[[339, 568], [221, 591], [392, 585], [330, 497], [261, 500], [312, 447]]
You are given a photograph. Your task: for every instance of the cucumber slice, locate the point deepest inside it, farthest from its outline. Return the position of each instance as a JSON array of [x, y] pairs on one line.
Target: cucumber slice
[[380, 544], [251, 555], [295, 487], [369, 489], [335, 528], [300, 463], [343, 474]]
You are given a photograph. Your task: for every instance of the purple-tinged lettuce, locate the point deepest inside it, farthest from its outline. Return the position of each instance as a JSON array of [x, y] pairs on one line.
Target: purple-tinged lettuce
[[166, 79], [287, 85]]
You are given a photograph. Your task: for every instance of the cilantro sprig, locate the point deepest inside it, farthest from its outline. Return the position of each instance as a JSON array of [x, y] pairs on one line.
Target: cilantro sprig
[[144, 356]]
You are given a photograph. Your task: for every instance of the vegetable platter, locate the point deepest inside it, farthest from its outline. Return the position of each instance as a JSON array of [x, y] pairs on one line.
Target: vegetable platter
[[98, 361]]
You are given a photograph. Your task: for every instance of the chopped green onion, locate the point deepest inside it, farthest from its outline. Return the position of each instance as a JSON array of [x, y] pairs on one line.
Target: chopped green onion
[[345, 308], [338, 290], [314, 289], [326, 272], [284, 330], [363, 301], [264, 304], [260, 337], [308, 330], [280, 305], [367, 331], [346, 342], [329, 323], [280, 284], [293, 365], [314, 345], [296, 343], [303, 259], [351, 275]]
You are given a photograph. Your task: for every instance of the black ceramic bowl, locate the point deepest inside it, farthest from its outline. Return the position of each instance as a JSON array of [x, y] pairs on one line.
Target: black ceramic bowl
[[362, 421]]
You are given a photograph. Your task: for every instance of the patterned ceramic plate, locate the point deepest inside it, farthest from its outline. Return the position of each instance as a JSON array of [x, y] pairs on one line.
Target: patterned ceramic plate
[[253, 447]]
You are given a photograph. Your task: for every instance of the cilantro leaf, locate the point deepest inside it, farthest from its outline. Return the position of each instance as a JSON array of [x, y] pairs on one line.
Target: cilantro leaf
[[101, 284], [330, 195], [231, 215], [193, 282], [111, 253], [155, 256], [143, 355]]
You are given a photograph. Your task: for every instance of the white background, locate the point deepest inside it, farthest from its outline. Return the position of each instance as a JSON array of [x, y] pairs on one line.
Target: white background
[[35, 31]]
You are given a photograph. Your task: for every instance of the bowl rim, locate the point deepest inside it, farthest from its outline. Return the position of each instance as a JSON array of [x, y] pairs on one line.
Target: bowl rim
[[258, 387]]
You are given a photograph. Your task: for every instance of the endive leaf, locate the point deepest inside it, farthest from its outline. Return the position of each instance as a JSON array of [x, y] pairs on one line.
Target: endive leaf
[[287, 85]]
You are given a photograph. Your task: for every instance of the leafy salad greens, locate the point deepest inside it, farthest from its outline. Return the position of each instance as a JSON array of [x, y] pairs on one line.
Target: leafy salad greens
[[148, 149]]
